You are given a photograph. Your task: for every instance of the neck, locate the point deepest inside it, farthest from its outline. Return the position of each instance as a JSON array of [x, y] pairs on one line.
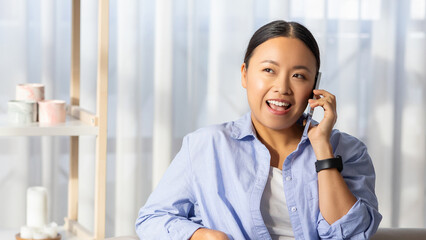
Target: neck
[[278, 139]]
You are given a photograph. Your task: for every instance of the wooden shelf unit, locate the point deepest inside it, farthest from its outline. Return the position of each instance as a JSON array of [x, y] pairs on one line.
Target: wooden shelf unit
[[80, 122]]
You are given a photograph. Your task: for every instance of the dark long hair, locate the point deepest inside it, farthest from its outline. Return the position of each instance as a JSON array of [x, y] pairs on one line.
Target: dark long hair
[[282, 28]]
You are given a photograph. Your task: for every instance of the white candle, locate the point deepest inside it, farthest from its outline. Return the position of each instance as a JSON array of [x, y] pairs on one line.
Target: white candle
[[36, 207], [26, 232]]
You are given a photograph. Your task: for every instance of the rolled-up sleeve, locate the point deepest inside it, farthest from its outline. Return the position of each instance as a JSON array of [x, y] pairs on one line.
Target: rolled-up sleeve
[[363, 219], [167, 212]]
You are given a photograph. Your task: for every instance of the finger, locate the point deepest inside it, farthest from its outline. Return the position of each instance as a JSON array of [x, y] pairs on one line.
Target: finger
[[328, 107], [330, 113], [322, 102], [329, 110], [322, 92], [319, 101], [326, 103], [330, 98]]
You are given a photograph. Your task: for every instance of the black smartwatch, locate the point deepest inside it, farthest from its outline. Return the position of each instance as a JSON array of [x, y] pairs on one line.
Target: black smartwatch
[[335, 162]]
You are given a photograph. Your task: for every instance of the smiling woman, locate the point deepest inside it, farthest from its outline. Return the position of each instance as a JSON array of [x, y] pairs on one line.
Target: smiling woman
[[279, 81], [260, 177]]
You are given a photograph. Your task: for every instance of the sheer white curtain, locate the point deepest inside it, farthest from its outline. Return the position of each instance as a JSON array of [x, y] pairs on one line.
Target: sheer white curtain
[[175, 67]]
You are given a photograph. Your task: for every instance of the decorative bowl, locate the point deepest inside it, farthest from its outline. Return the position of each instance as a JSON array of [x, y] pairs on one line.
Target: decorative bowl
[[18, 237]]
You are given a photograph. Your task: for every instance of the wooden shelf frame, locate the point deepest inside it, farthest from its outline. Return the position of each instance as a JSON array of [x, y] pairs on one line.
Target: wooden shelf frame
[[99, 120]]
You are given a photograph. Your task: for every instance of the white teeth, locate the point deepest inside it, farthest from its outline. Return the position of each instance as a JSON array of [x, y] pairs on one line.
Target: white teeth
[[280, 104]]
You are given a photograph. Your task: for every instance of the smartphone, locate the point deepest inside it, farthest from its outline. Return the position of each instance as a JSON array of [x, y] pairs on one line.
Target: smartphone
[[311, 110]]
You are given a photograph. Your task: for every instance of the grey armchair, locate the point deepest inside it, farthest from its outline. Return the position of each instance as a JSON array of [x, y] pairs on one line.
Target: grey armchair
[[124, 238], [400, 234]]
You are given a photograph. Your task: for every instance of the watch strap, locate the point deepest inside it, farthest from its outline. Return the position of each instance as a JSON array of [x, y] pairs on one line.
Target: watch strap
[[335, 162]]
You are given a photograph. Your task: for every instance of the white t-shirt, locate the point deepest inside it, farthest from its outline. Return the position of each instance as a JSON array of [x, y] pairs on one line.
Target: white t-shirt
[[273, 207]]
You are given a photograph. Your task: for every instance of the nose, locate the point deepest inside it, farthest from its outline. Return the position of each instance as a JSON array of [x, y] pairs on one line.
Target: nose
[[282, 85]]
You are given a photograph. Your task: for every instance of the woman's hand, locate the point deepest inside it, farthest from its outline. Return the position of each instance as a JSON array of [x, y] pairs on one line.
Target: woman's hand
[[208, 234], [319, 135]]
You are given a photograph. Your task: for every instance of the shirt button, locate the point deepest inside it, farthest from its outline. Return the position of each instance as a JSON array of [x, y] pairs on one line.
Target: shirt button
[[293, 209], [288, 178]]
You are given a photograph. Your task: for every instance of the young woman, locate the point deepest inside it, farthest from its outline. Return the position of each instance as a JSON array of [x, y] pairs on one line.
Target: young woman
[[260, 177]]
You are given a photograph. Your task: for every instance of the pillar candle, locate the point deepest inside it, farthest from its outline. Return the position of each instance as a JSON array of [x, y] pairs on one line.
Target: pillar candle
[[36, 207], [22, 111], [52, 111], [30, 91]]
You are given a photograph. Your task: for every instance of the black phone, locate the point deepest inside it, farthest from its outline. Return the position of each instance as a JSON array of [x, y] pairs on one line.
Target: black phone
[[316, 84], [311, 110]]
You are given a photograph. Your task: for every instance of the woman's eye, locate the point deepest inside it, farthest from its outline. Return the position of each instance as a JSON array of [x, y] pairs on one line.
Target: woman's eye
[[297, 75], [268, 70]]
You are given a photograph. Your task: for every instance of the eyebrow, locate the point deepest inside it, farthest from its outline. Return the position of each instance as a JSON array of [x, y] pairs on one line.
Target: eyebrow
[[302, 67], [295, 67], [270, 61]]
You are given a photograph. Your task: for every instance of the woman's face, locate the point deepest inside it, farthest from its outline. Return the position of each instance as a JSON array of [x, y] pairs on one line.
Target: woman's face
[[279, 80]]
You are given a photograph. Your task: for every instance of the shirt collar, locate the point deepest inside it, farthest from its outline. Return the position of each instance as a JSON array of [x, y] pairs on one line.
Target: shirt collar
[[243, 127]]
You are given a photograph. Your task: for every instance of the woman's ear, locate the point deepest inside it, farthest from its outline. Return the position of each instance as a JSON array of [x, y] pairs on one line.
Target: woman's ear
[[244, 75]]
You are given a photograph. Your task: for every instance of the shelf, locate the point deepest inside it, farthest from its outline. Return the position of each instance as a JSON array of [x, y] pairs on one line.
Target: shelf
[[72, 127]]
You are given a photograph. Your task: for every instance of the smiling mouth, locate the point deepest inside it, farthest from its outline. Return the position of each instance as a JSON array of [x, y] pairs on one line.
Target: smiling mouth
[[277, 105]]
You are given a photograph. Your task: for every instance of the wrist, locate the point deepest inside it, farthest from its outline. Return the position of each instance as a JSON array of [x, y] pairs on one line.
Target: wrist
[[323, 150]]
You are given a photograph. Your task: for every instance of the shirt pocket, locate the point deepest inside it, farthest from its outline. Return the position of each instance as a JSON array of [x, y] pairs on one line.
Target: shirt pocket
[[311, 194]]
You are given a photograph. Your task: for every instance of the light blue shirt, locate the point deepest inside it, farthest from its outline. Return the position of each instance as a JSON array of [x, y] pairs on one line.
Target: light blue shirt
[[218, 177]]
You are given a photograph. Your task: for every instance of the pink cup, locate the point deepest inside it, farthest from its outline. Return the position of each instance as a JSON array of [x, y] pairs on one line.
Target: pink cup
[[51, 111], [30, 91]]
